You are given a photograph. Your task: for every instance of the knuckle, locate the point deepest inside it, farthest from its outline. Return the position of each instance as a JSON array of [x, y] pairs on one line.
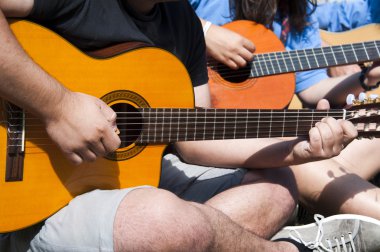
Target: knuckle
[[241, 63], [91, 158]]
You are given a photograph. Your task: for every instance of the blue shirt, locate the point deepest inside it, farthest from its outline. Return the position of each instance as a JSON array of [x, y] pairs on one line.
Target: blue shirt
[[220, 12], [374, 8], [337, 16]]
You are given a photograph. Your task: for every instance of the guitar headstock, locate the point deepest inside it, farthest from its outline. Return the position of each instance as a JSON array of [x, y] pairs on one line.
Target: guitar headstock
[[364, 113]]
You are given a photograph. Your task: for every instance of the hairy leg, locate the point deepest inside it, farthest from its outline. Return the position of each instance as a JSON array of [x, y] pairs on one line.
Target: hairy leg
[[263, 203], [157, 220]]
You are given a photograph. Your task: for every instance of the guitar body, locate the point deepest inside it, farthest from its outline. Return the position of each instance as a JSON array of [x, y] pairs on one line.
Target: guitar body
[[138, 78], [360, 34], [274, 91]]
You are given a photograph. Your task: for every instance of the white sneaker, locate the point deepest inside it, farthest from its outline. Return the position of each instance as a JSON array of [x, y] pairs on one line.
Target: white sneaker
[[338, 233]]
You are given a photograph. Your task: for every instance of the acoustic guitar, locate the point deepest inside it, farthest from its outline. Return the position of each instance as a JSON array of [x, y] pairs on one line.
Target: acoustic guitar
[[151, 92], [269, 81]]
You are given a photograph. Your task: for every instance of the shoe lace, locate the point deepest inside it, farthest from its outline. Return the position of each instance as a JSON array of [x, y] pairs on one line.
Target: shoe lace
[[340, 244]]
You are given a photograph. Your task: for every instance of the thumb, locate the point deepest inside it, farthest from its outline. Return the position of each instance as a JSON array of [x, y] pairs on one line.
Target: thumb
[[323, 104], [108, 113]]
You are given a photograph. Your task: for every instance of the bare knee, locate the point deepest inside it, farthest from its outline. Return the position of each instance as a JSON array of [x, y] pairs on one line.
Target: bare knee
[[155, 219], [279, 187]]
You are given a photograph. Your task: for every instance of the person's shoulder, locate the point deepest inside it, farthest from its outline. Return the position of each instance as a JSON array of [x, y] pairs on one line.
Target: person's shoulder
[[16, 8]]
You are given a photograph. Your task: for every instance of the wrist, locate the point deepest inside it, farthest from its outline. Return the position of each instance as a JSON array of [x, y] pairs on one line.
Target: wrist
[[362, 78], [56, 104], [206, 27]]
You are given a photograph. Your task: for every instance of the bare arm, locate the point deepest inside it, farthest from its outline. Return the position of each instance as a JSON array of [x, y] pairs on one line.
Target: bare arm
[[16, 8], [336, 89], [24, 83], [228, 47], [326, 140]]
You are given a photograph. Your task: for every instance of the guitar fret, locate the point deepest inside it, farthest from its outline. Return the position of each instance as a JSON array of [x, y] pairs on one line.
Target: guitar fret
[[246, 124], [178, 124], [351, 57], [354, 52], [145, 128], [253, 74], [312, 119], [307, 58], [283, 124], [298, 116], [204, 124], [315, 57], [266, 65], [365, 50], [213, 135], [270, 123], [260, 65], [377, 48], [278, 64], [295, 60], [372, 50], [258, 124], [195, 125], [324, 56], [329, 55], [289, 61], [224, 127], [334, 56], [271, 63], [187, 123], [236, 113], [170, 124], [339, 55], [344, 55], [155, 129], [302, 59], [163, 125]]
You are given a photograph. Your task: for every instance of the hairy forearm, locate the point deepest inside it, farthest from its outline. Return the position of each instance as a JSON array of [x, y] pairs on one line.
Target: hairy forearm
[[21, 80], [247, 153]]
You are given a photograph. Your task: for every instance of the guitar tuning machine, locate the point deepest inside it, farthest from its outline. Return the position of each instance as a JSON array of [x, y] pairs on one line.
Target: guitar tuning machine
[[362, 97], [373, 98], [350, 99]]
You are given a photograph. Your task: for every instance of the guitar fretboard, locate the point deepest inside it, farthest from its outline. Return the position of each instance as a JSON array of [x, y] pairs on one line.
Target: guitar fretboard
[[173, 125], [301, 60]]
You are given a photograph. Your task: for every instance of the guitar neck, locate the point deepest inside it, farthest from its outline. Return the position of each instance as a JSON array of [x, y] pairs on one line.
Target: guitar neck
[[173, 125], [300, 60]]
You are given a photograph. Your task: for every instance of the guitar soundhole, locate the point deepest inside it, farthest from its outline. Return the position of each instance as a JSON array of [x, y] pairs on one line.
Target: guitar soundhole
[[129, 122], [234, 76]]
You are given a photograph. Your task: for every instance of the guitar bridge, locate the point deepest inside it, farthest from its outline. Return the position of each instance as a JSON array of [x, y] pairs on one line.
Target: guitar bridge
[[15, 118]]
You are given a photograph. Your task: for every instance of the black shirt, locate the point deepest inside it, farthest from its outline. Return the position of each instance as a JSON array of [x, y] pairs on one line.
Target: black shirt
[[95, 24]]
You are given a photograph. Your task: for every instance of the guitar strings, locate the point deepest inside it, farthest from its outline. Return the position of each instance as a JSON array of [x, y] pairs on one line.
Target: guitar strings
[[270, 56], [206, 113], [233, 119], [182, 136], [163, 129], [260, 62]]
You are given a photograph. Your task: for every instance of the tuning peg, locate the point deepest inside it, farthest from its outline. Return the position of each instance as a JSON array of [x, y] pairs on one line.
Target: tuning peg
[[373, 97], [362, 97], [350, 99]]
